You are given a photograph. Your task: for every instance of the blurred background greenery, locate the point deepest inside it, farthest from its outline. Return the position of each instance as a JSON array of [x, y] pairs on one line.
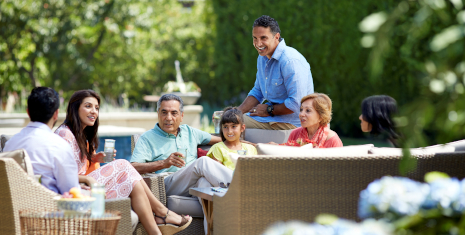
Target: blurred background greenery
[[125, 49]]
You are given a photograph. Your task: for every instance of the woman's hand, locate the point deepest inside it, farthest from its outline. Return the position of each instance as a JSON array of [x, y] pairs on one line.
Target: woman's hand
[[272, 143], [87, 180], [100, 157]]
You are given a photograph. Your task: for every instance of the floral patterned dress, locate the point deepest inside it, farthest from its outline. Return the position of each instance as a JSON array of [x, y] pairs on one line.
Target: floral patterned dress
[[119, 176]]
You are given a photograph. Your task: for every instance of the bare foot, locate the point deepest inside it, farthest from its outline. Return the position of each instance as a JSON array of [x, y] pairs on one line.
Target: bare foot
[[172, 218]]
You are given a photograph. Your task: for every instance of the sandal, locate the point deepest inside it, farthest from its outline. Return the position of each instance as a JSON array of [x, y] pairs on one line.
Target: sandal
[[169, 229]]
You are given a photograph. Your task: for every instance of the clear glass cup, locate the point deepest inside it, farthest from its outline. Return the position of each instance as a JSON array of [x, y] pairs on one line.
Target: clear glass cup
[[98, 206], [108, 149], [242, 152], [216, 120], [183, 151]]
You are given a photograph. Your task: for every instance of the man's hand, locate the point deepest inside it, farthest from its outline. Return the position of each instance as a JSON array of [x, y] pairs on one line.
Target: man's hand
[[175, 159], [259, 110]]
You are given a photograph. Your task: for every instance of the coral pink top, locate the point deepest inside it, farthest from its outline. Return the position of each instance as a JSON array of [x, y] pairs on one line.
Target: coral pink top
[[300, 132]]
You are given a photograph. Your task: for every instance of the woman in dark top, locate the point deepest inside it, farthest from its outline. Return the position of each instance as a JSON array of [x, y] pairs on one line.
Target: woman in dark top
[[376, 117]]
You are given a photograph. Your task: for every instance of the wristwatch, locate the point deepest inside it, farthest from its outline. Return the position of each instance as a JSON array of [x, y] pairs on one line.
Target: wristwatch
[[270, 110]]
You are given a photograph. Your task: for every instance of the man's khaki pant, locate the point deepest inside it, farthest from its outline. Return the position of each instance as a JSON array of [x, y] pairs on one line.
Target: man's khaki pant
[[251, 123], [203, 173]]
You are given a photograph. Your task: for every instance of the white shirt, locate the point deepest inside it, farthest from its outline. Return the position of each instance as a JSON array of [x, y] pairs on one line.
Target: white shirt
[[51, 156]]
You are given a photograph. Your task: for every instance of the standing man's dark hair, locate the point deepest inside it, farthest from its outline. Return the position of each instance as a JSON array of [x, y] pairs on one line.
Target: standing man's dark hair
[[42, 104], [266, 21]]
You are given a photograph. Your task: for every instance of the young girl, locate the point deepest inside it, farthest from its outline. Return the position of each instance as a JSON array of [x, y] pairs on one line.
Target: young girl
[[232, 126]]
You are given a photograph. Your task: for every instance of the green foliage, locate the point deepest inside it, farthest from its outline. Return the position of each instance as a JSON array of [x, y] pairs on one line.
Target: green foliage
[[424, 41], [112, 46]]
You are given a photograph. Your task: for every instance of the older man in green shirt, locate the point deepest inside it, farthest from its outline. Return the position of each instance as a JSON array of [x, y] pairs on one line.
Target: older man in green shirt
[[164, 148]]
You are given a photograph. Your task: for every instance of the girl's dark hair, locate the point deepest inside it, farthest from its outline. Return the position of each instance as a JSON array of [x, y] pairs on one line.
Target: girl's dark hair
[[230, 114], [89, 135], [378, 111]]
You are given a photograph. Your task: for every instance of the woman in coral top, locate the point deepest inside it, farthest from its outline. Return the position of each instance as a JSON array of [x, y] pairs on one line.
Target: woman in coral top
[[120, 178], [315, 115]]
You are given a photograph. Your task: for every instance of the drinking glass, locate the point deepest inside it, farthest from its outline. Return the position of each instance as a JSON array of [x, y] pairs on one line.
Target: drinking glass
[[242, 152], [109, 148], [183, 151], [216, 120], [98, 206]]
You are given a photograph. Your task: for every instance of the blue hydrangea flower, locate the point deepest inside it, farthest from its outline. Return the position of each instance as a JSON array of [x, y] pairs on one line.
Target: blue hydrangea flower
[[339, 227], [298, 228], [443, 193], [459, 204], [399, 195]]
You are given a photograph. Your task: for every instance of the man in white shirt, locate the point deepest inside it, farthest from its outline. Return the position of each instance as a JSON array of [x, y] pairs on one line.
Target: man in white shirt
[[51, 155]]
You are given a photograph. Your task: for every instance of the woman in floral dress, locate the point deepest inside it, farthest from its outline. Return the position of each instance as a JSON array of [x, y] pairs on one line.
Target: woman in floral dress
[[120, 178]]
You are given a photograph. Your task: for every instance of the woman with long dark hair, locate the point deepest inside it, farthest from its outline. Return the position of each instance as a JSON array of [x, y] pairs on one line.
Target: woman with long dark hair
[[120, 178], [376, 117]]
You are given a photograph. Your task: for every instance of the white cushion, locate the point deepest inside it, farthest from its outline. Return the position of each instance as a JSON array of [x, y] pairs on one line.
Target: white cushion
[[185, 205], [134, 220], [458, 145], [266, 136], [414, 151], [233, 157], [22, 158], [279, 150]]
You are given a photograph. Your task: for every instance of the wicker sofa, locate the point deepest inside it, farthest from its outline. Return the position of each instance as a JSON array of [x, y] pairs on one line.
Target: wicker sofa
[[271, 188], [20, 191], [21, 182], [191, 205]]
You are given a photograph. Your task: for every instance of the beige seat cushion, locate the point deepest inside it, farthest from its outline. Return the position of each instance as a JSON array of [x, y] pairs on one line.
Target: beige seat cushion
[[185, 205], [352, 150], [266, 136], [458, 145], [414, 151], [134, 220], [21, 157]]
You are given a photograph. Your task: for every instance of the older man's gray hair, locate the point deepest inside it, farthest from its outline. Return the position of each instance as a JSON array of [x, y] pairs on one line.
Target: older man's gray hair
[[167, 97]]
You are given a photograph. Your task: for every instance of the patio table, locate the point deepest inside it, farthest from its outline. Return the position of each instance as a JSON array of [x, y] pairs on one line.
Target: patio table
[[206, 194]]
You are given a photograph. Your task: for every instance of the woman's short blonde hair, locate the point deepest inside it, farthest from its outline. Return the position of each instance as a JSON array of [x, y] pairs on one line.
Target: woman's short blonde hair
[[322, 104]]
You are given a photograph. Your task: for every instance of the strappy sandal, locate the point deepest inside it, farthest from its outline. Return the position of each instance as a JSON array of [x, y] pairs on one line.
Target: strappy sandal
[[169, 229]]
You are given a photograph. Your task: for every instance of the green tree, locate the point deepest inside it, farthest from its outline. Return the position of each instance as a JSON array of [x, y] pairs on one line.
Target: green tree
[[112, 46], [424, 41]]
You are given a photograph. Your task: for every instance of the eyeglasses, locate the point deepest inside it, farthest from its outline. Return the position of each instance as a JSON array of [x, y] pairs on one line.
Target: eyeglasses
[[222, 185]]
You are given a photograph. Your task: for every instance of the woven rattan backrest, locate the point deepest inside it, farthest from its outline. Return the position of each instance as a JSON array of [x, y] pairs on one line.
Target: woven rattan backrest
[[21, 192], [134, 139], [271, 188], [6, 209]]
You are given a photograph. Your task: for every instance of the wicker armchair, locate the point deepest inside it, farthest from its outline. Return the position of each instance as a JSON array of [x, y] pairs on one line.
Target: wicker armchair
[[267, 189], [19, 191]]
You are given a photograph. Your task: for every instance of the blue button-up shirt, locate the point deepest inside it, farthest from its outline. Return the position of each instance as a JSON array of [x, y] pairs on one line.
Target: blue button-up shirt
[[285, 78], [157, 145]]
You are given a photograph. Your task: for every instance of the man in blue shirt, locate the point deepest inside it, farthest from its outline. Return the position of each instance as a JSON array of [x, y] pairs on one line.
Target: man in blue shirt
[[283, 78]]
